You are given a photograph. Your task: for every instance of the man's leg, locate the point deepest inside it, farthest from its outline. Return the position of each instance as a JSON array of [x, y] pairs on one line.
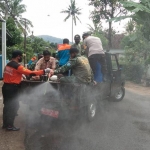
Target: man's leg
[[11, 106], [5, 99], [102, 60], [93, 63]]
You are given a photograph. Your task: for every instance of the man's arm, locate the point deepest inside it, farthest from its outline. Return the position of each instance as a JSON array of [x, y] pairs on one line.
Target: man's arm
[[84, 44], [25, 71], [69, 65]]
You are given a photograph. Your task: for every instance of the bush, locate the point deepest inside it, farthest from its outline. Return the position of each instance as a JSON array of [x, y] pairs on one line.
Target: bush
[[133, 71]]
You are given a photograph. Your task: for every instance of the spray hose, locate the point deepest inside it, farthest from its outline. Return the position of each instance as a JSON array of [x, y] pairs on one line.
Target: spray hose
[[47, 82]]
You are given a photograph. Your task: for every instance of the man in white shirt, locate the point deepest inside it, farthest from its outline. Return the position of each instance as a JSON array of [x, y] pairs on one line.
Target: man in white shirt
[[96, 54]]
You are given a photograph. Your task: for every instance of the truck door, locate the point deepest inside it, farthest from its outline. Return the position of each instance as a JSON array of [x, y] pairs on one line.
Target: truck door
[[115, 73]]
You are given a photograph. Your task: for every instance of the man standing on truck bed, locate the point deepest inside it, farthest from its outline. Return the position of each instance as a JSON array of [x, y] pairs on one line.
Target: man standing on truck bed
[[96, 54], [77, 44], [81, 70], [12, 79], [63, 52]]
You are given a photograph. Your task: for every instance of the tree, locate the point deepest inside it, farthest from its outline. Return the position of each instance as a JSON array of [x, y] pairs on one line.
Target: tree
[[137, 41], [106, 10], [14, 9], [16, 38], [140, 14], [72, 11], [15, 32], [130, 27]]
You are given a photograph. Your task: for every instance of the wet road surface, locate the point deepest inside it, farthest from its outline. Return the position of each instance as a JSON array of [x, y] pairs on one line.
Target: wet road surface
[[121, 125]]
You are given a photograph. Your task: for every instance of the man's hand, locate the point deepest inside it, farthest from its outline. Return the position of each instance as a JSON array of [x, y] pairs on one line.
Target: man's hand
[[36, 77], [84, 47], [24, 77], [47, 70], [52, 72]]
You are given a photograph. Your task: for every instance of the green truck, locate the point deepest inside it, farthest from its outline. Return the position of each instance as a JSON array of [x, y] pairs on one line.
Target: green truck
[[65, 100]]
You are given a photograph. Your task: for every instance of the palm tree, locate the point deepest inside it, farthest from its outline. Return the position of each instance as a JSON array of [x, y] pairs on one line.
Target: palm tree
[[14, 9], [72, 11]]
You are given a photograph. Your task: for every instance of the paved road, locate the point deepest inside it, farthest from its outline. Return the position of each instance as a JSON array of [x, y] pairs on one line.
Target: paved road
[[121, 125]]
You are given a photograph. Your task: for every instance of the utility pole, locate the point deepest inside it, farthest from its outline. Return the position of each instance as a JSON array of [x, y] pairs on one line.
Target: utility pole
[[3, 44], [4, 39], [25, 43]]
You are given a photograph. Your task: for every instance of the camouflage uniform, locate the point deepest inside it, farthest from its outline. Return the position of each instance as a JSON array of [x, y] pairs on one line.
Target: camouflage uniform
[[79, 47], [81, 71]]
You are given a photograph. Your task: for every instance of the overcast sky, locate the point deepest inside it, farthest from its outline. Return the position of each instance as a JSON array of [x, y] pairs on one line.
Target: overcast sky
[[38, 11]]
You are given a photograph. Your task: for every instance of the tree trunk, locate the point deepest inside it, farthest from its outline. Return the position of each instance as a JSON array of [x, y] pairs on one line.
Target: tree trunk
[[72, 28], [110, 36]]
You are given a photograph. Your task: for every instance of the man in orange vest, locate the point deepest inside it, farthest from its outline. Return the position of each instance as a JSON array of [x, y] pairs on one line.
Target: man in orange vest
[[12, 78], [64, 53]]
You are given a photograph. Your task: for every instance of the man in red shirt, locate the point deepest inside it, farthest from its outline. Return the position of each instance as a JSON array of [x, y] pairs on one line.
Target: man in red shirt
[[12, 78]]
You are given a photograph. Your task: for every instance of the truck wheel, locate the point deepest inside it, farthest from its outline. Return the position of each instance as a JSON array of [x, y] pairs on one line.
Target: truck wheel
[[91, 111], [119, 95]]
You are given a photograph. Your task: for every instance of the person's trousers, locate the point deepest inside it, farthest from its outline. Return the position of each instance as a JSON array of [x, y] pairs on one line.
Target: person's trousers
[[98, 58], [11, 103]]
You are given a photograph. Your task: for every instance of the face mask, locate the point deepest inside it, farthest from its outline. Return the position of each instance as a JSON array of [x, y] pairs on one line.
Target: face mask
[[20, 59]]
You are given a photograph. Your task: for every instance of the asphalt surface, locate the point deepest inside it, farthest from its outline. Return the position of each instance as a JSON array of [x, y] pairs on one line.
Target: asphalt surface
[[121, 125]]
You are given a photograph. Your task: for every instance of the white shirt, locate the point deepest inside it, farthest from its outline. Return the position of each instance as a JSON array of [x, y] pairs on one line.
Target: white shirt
[[94, 45]]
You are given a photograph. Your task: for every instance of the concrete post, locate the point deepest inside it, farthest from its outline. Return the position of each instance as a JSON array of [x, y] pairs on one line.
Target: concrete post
[[3, 46]]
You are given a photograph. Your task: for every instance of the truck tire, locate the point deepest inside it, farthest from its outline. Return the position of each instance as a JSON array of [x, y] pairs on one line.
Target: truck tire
[[91, 111], [119, 95]]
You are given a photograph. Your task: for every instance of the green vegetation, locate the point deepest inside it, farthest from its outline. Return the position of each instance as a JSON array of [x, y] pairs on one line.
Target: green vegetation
[[98, 32], [34, 45], [137, 40], [12, 11], [106, 10]]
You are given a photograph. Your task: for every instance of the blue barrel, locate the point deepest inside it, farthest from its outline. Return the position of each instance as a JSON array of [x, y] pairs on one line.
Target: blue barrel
[[1, 66]]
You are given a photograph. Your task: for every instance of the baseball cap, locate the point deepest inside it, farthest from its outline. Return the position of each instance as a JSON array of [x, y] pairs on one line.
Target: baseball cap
[[16, 53], [77, 36]]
